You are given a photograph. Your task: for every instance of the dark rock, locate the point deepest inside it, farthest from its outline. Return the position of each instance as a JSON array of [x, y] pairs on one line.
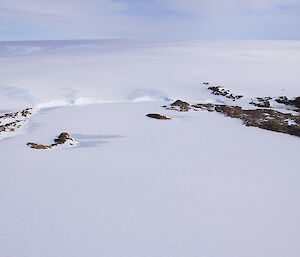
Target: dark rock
[[224, 92], [18, 120], [286, 101], [206, 107], [296, 102], [181, 104], [26, 112], [262, 102], [282, 100], [262, 118], [157, 116], [38, 146], [62, 138]]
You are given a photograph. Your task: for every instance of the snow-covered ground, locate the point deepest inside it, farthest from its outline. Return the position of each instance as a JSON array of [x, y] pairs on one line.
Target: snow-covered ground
[[198, 185]]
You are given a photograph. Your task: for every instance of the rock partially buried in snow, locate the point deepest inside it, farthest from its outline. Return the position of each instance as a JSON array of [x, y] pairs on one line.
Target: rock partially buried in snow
[[157, 116], [217, 90], [296, 102], [286, 101], [180, 104], [12, 122], [63, 139], [267, 119], [263, 102], [38, 146]]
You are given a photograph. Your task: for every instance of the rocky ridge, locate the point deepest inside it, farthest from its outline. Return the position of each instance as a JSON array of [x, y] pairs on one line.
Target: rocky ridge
[[266, 116]]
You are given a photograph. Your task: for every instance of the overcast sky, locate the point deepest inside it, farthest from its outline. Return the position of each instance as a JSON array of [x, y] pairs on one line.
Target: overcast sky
[[149, 19]]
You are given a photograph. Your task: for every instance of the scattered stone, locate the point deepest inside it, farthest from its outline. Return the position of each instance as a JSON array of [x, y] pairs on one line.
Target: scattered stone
[[63, 138], [224, 92], [205, 107], [286, 101], [21, 114], [263, 102], [10, 122], [26, 112], [282, 100], [157, 116], [268, 119]]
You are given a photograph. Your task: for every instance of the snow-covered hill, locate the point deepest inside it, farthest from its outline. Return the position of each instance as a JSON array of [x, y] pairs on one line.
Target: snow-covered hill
[[200, 184]]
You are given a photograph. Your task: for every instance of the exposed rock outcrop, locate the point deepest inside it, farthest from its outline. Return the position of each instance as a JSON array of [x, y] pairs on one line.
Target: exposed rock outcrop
[[63, 139], [267, 119], [284, 100], [262, 118], [179, 105]]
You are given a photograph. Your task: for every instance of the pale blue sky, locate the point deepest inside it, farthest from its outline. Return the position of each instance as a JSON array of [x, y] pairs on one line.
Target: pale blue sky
[[149, 19]]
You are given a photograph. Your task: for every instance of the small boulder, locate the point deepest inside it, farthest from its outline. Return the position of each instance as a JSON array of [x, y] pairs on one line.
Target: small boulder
[[157, 116], [296, 102], [181, 104], [62, 138]]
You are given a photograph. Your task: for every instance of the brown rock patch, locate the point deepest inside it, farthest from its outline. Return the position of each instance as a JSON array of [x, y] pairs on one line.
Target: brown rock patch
[[262, 118], [157, 116], [61, 139]]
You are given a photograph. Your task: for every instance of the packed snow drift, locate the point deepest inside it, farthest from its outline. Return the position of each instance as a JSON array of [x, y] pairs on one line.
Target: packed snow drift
[[133, 148]]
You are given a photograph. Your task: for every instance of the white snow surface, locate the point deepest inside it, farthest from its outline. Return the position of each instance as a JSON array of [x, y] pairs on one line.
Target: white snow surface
[[199, 185]]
